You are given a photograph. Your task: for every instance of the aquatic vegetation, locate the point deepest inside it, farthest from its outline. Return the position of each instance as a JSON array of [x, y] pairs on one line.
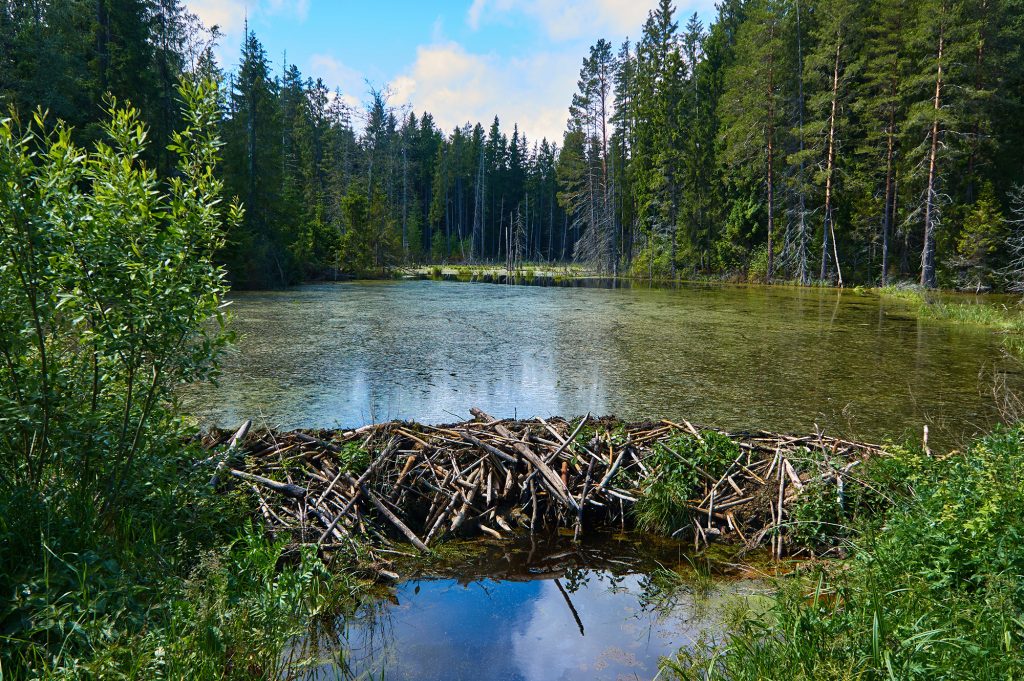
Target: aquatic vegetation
[[932, 305]]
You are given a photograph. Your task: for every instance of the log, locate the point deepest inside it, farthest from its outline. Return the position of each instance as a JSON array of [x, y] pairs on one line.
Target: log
[[232, 446], [285, 488], [393, 519]]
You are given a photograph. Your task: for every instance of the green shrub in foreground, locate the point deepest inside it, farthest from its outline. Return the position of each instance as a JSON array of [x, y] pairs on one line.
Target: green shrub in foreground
[[116, 558], [934, 592]]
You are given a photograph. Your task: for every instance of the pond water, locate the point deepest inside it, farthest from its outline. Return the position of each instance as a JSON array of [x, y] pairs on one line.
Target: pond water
[[786, 359], [541, 612]]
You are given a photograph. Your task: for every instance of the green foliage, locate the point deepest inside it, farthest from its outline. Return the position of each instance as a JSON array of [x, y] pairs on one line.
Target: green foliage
[[158, 595], [758, 269], [653, 262], [109, 291], [679, 465], [112, 300], [935, 591], [978, 313], [980, 247], [241, 611], [818, 518], [353, 459]]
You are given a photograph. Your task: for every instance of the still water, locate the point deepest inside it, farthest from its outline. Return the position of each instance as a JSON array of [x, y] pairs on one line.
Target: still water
[[786, 359], [547, 612]]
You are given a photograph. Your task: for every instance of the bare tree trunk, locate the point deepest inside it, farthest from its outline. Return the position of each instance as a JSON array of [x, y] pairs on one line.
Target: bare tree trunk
[[802, 238], [928, 278], [829, 230], [890, 197], [770, 133]]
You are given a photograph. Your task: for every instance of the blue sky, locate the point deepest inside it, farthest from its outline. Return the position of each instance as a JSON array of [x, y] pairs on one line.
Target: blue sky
[[462, 60]]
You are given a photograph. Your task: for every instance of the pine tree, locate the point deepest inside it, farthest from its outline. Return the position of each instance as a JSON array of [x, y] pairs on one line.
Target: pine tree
[[257, 254], [881, 106], [660, 130], [753, 106], [829, 72], [938, 87]]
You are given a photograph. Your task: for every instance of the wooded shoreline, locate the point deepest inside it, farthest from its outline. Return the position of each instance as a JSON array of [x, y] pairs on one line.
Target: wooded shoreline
[[370, 489]]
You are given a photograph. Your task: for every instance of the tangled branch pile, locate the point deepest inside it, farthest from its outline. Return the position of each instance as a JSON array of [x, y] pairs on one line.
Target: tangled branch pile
[[369, 486]]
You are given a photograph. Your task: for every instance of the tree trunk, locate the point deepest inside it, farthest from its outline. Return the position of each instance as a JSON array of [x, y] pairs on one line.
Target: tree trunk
[[770, 133], [802, 256], [890, 197], [928, 278], [829, 227]]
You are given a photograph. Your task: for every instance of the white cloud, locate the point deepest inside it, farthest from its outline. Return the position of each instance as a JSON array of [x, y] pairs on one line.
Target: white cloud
[[227, 14], [457, 86], [337, 75], [568, 19], [296, 8], [230, 14], [572, 19], [476, 10]]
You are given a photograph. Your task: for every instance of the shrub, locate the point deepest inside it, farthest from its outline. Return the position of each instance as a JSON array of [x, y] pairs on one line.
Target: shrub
[[109, 288], [665, 499], [933, 592]]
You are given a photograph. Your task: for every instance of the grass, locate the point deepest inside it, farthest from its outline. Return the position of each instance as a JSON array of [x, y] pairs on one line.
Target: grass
[[929, 305], [934, 590], [526, 271], [663, 505], [176, 583]]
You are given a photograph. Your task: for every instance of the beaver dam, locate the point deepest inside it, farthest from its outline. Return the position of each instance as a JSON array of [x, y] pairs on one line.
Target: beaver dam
[[371, 488]]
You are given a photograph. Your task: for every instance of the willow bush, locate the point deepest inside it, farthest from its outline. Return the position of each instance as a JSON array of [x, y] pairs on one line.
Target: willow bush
[[111, 298], [109, 287]]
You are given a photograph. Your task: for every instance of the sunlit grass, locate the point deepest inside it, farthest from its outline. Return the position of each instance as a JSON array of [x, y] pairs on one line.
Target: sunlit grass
[[934, 592], [928, 305]]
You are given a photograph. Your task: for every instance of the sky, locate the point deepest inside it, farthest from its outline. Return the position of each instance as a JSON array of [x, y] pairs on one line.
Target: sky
[[461, 60]]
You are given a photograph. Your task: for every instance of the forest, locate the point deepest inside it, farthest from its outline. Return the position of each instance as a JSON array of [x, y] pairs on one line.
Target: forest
[[665, 475], [804, 141]]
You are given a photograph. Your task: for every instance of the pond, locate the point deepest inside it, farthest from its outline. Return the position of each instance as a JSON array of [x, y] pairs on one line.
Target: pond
[[541, 610], [735, 357]]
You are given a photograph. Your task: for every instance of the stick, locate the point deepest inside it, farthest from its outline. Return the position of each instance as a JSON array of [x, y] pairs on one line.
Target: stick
[[572, 609], [232, 444], [558, 489], [410, 535], [358, 485]]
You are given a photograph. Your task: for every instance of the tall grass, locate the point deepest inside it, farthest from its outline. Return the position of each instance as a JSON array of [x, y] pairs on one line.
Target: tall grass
[[936, 591], [994, 316]]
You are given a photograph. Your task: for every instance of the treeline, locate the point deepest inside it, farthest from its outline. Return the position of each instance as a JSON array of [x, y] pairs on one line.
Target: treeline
[[332, 189], [804, 140], [74, 58]]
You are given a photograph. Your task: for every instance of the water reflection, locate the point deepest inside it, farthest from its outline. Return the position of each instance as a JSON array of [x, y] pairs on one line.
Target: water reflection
[[597, 622], [736, 357]]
